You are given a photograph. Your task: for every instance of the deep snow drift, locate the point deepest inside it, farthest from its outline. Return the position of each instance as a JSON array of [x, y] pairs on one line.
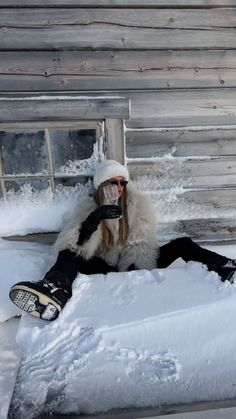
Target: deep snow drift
[[131, 340], [9, 362]]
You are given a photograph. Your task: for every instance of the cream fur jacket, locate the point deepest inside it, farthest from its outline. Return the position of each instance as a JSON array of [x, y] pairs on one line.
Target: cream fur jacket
[[140, 248]]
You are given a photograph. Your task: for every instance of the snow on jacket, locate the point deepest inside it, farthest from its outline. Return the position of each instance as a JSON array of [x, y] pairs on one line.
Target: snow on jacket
[[140, 247]]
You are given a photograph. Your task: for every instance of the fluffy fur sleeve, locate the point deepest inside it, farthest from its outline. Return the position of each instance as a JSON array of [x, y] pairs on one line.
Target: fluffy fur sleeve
[[68, 237], [141, 247]]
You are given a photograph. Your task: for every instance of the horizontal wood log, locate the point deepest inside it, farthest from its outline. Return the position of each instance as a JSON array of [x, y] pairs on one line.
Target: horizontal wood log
[[200, 230], [218, 198], [110, 70], [61, 108], [163, 108], [180, 143], [45, 238], [121, 3], [176, 104], [182, 108], [116, 29], [169, 173], [195, 121], [105, 37], [133, 18]]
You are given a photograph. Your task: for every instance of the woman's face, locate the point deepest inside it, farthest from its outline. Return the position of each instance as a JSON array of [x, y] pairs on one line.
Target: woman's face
[[118, 180]]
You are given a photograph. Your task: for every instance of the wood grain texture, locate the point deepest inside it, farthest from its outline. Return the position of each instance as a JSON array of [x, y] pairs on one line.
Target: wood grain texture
[[111, 70], [43, 109], [120, 29], [154, 108], [181, 143], [152, 18], [119, 3], [115, 140], [204, 173]]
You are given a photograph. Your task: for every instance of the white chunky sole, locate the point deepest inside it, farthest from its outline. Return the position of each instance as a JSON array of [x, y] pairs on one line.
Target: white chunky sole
[[33, 302]]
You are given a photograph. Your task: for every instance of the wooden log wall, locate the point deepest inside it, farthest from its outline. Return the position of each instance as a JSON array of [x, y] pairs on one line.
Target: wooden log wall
[[175, 60]]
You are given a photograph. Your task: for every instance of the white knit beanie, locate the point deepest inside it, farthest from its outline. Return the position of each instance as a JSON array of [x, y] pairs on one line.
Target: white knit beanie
[[108, 169]]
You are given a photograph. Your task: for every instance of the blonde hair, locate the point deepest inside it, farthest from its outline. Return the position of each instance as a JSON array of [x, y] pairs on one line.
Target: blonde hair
[[107, 236]]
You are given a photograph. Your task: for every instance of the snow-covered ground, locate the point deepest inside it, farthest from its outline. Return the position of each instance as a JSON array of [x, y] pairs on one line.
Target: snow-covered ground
[[135, 339], [124, 340]]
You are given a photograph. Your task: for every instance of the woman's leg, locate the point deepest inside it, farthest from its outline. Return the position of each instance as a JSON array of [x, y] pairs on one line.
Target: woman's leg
[[68, 264], [47, 297], [188, 250], [64, 271], [95, 265]]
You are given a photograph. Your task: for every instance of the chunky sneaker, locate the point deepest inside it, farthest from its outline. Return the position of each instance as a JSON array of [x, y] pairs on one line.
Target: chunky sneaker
[[227, 271], [41, 299]]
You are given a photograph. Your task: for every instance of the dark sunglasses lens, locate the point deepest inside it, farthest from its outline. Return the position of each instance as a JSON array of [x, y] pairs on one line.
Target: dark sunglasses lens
[[117, 182]]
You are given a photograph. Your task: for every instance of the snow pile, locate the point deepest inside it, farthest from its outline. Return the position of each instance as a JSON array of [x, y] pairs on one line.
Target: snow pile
[[9, 362], [20, 262], [30, 211], [136, 339]]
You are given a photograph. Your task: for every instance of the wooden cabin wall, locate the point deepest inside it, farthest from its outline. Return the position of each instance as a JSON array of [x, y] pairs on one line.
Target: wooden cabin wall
[[175, 60]]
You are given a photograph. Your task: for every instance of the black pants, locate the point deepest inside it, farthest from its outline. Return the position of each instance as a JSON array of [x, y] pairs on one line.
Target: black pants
[[68, 264]]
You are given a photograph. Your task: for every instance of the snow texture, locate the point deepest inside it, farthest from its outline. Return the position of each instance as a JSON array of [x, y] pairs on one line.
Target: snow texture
[[9, 362], [126, 340]]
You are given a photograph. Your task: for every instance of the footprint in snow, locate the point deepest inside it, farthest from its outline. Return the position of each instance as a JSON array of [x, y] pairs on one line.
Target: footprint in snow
[[153, 368], [144, 367]]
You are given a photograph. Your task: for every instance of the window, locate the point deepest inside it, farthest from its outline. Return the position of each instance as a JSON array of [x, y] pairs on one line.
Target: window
[[47, 158]]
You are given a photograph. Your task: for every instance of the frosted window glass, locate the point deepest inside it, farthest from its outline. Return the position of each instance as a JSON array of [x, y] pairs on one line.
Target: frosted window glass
[[71, 145], [23, 153]]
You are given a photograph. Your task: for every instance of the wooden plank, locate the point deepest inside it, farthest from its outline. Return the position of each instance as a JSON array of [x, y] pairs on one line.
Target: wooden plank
[[45, 238], [176, 104], [185, 173], [157, 108], [110, 70], [200, 230], [106, 37], [136, 18], [115, 140], [168, 108], [120, 29], [117, 79], [218, 198], [119, 3], [180, 143], [46, 108]]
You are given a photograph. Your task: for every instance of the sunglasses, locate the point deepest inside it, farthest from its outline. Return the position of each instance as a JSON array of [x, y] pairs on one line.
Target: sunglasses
[[122, 183]]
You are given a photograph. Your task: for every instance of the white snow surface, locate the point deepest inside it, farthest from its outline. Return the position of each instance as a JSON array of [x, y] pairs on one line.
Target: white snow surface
[[125, 340], [9, 362]]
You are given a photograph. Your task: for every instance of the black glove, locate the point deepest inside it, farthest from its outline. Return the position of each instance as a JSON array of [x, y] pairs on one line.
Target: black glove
[[90, 224], [109, 212]]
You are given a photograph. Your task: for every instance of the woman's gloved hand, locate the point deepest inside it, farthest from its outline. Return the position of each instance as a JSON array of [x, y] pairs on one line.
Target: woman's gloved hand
[[90, 224], [109, 212]]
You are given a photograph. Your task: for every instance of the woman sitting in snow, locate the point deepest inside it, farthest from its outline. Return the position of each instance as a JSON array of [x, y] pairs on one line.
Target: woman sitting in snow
[[109, 236]]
